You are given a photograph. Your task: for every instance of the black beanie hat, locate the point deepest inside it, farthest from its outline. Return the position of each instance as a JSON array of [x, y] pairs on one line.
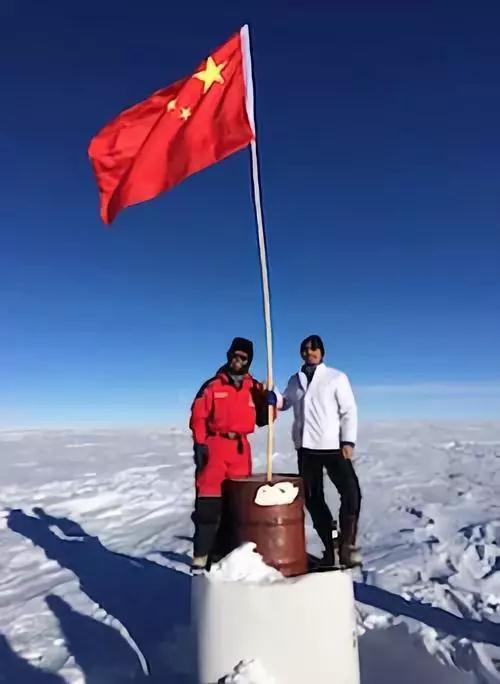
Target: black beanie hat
[[242, 345], [315, 342]]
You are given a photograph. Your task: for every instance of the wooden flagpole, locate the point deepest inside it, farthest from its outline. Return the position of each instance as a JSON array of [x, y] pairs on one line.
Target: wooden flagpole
[[261, 238]]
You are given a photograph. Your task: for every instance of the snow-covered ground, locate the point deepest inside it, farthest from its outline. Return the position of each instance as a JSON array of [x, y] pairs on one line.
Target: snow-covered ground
[[95, 537]]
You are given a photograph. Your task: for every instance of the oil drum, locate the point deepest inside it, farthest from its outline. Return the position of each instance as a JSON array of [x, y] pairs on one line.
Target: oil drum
[[270, 514]]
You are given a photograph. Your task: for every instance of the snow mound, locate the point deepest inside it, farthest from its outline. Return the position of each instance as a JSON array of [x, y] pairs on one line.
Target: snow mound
[[244, 564], [249, 672]]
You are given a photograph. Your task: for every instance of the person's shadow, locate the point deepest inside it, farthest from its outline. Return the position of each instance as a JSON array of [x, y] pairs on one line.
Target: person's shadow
[[152, 602], [16, 670], [100, 651]]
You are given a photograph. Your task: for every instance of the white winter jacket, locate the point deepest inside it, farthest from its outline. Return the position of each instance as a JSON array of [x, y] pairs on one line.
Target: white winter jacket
[[325, 413]]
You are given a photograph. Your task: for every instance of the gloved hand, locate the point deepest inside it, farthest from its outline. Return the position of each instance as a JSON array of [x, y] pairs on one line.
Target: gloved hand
[[271, 398], [200, 456]]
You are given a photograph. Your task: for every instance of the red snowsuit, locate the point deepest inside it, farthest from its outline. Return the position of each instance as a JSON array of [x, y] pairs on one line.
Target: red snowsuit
[[222, 416]]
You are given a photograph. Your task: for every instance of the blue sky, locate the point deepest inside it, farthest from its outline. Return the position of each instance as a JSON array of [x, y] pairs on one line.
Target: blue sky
[[380, 145]]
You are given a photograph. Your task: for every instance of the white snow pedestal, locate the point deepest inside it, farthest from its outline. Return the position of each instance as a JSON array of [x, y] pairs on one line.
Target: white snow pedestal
[[301, 630]]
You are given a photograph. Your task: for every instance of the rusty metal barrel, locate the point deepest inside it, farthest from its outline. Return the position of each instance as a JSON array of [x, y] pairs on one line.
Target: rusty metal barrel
[[277, 530]]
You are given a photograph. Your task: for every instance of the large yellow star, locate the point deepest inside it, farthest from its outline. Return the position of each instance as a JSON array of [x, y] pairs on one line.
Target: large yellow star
[[211, 74]]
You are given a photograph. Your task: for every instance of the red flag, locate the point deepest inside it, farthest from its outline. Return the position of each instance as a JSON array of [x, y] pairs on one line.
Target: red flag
[[177, 131]]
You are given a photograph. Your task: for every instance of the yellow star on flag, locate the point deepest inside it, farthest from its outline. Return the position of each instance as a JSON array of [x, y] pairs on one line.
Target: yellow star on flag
[[185, 113], [211, 74], [171, 105]]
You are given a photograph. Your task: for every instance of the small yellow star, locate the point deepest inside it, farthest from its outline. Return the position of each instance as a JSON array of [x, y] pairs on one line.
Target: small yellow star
[[171, 105], [185, 113], [211, 74]]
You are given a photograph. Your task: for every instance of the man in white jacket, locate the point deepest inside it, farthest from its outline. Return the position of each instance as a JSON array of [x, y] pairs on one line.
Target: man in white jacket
[[324, 433]]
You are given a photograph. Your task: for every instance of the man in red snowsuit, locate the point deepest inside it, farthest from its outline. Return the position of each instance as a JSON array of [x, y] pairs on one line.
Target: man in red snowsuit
[[225, 411]]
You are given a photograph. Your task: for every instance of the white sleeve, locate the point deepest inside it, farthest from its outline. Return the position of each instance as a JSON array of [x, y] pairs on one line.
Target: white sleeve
[[285, 400], [348, 412]]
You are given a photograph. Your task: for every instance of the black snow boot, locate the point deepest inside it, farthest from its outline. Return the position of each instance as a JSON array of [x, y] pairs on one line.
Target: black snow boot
[[329, 553], [349, 554], [326, 533]]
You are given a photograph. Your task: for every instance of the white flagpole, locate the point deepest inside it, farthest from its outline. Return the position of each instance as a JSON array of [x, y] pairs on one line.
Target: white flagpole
[[261, 237]]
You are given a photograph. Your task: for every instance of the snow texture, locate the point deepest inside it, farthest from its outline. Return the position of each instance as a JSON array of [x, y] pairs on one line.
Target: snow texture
[[95, 544], [244, 565]]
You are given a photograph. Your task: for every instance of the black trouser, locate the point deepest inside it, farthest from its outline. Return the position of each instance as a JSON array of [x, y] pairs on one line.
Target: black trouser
[[213, 532], [341, 472], [206, 518]]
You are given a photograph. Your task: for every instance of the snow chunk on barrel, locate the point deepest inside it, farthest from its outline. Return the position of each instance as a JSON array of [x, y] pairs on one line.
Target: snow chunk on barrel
[[244, 564]]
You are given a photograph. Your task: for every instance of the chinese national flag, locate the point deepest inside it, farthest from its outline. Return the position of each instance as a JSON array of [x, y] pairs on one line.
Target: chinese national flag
[[177, 131]]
